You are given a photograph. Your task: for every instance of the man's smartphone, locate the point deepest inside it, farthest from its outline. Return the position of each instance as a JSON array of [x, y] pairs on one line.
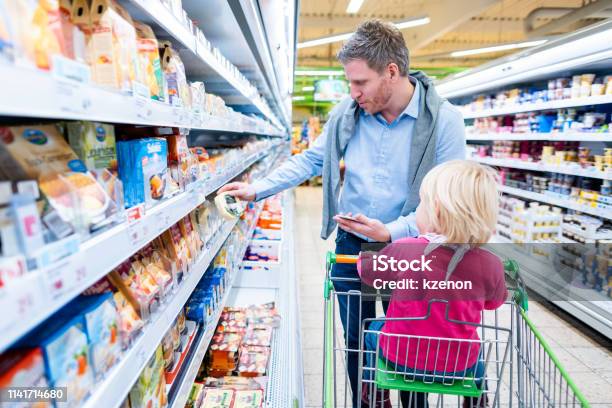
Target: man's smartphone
[[346, 217]]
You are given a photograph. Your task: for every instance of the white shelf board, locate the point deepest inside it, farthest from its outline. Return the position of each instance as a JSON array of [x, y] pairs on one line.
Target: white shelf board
[[36, 93], [155, 12], [192, 367], [541, 106], [575, 170], [553, 137], [544, 280], [565, 203], [119, 380], [102, 253]]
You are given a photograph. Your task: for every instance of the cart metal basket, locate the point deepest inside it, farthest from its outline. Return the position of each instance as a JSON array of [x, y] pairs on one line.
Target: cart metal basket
[[517, 366]]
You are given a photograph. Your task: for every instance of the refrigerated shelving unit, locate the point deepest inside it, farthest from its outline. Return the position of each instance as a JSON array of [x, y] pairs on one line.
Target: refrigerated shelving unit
[[279, 285], [587, 50], [261, 47]]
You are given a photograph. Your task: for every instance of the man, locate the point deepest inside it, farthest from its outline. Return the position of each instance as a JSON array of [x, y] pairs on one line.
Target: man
[[391, 131]]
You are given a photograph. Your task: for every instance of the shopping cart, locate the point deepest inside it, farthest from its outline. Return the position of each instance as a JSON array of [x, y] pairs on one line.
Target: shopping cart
[[519, 368]]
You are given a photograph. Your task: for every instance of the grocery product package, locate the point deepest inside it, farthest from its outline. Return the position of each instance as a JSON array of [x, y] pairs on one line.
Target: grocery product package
[[101, 324], [138, 286], [65, 350], [74, 38], [248, 399], [174, 71], [150, 62], [143, 170], [26, 152], [114, 54], [198, 96], [253, 361], [23, 368], [38, 31], [150, 389], [94, 143], [79, 200], [81, 17], [159, 267], [177, 246], [7, 37], [178, 157], [196, 396], [214, 398]]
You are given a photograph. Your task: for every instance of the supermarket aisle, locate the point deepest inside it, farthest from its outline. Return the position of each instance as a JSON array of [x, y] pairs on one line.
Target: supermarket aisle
[[586, 357]]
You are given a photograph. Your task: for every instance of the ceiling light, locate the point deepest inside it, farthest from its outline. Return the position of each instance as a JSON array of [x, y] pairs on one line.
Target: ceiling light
[[413, 22], [299, 98], [496, 48], [354, 6], [318, 73], [308, 88]]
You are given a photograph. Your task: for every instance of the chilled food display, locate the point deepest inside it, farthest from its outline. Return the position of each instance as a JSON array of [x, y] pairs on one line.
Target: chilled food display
[[578, 86]]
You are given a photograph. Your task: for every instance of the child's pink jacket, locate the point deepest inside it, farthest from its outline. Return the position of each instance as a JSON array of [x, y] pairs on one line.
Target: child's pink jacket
[[478, 266]]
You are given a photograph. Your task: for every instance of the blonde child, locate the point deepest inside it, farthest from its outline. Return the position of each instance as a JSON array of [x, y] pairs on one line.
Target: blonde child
[[457, 213]]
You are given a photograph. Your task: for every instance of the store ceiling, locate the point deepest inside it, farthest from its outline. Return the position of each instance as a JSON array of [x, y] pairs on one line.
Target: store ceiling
[[455, 25]]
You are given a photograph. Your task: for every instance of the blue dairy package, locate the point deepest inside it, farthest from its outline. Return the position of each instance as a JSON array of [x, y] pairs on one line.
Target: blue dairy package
[[101, 324], [143, 170], [65, 349]]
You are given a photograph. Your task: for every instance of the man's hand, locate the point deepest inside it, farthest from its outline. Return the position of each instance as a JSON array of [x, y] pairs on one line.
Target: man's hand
[[242, 191], [368, 227]]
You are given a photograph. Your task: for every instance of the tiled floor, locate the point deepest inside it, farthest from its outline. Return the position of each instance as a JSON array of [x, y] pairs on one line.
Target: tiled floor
[[586, 356]]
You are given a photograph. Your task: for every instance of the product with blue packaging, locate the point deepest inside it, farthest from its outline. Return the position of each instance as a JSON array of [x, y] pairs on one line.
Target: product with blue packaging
[[143, 170], [63, 342], [101, 324]]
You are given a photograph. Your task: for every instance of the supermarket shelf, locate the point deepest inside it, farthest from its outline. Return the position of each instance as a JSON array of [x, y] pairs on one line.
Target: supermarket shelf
[[192, 368], [197, 57], [531, 107], [538, 277], [98, 256], [584, 50], [565, 203], [35, 93], [525, 165], [553, 137], [286, 388], [498, 239], [112, 391]]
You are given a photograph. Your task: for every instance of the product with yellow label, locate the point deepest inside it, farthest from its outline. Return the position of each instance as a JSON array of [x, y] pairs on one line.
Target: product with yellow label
[[94, 143], [26, 152], [38, 31], [150, 389], [150, 63]]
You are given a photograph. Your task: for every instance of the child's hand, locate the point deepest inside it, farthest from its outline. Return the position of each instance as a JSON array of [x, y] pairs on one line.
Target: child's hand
[[368, 227]]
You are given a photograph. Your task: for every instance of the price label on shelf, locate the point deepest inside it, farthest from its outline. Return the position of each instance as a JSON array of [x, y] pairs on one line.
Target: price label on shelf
[[73, 97], [143, 106], [65, 275], [164, 222], [22, 298], [138, 233]]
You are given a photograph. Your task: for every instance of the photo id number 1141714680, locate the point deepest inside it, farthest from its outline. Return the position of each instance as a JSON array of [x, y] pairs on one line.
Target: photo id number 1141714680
[[33, 394]]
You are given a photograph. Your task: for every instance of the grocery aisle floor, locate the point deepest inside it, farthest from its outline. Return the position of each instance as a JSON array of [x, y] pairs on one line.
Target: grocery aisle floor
[[586, 356]]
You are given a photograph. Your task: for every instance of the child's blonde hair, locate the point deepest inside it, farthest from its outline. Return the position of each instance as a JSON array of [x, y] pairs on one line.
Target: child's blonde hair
[[461, 200]]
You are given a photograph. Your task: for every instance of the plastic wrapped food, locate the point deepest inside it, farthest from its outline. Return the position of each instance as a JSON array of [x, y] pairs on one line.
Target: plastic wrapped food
[[253, 361]]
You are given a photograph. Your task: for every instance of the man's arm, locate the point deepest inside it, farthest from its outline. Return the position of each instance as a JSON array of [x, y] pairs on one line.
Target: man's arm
[[294, 171], [450, 146]]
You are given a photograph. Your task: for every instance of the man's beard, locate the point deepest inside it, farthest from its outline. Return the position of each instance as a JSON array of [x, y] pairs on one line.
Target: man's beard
[[383, 95]]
